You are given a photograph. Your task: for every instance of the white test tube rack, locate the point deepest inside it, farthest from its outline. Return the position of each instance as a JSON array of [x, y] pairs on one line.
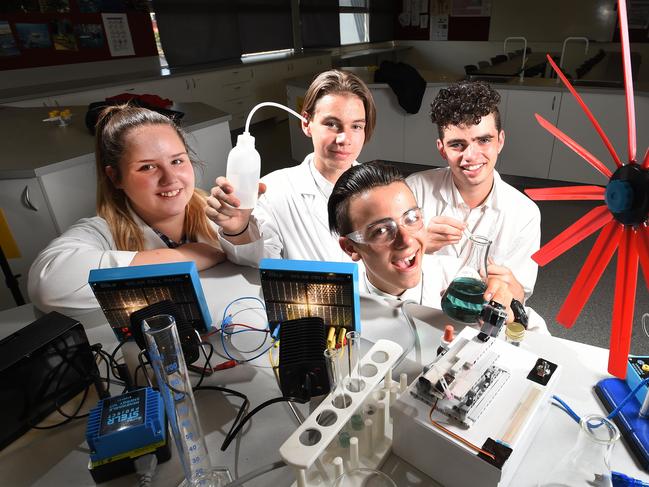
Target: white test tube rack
[[314, 450]]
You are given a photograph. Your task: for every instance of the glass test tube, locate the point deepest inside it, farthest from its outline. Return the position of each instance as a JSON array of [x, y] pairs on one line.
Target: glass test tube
[[333, 358], [168, 363], [355, 382]]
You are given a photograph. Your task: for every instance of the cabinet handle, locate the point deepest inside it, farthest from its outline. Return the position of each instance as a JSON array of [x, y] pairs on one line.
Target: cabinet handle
[[194, 83], [187, 83], [553, 99], [26, 201]]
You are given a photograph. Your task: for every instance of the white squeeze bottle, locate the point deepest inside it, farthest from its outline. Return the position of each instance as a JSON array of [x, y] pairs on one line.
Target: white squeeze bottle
[[244, 169]]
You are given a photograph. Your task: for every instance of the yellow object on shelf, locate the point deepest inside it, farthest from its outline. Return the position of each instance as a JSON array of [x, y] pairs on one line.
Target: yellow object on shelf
[[7, 241]]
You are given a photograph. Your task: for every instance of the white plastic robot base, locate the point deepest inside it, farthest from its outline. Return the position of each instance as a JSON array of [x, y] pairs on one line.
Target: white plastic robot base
[[508, 411], [314, 449]]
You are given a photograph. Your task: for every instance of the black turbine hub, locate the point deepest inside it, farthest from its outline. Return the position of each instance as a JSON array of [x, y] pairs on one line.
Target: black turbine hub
[[627, 194]]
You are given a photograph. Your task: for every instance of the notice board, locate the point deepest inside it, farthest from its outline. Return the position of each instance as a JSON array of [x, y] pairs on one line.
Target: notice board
[[37, 33]]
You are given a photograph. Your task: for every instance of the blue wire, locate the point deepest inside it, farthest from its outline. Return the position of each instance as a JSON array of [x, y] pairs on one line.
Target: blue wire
[[226, 320], [615, 411], [255, 298], [567, 408], [225, 350]]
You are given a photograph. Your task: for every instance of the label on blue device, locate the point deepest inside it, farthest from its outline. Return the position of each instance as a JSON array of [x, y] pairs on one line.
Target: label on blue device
[[122, 412]]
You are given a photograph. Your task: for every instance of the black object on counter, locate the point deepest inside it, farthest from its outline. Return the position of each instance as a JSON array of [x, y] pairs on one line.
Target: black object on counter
[[405, 81]]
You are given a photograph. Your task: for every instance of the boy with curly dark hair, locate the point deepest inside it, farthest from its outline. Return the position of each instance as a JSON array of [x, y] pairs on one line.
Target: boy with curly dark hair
[[469, 197]]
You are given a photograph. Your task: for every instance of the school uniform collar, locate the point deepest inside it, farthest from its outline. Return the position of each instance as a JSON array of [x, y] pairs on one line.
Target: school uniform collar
[[453, 204], [413, 294], [451, 196], [304, 181]]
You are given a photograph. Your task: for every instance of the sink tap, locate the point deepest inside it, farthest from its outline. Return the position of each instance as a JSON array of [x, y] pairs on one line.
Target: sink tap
[[563, 49], [518, 38]]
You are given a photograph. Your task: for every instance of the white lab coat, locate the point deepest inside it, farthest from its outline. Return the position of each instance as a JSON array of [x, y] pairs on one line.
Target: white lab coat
[[58, 277], [290, 221]]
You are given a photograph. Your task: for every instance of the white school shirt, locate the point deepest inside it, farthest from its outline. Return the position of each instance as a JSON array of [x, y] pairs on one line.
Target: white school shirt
[[426, 293], [508, 218], [58, 277], [290, 220]]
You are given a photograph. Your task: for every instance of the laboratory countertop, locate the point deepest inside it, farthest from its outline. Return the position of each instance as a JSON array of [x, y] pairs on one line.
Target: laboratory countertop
[[60, 457], [18, 93], [31, 147], [443, 78]]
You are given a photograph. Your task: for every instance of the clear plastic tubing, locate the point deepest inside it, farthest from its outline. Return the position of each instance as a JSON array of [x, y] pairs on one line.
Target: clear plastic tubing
[[244, 162], [170, 370]]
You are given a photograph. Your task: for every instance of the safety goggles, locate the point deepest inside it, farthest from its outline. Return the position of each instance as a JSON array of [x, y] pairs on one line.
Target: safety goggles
[[384, 232]]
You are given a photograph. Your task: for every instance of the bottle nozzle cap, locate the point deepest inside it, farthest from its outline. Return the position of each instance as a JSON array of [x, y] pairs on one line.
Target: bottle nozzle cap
[[449, 333], [245, 139]]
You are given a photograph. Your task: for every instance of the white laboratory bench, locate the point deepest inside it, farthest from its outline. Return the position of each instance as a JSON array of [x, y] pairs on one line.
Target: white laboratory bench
[[60, 456]]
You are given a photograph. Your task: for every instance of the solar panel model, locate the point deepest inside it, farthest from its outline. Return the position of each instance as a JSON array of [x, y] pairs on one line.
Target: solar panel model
[[295, 289], [121, 291]]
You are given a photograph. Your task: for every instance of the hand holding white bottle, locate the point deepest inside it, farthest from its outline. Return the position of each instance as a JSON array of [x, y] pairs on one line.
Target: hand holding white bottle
[[223, 208], [244, 170], [233, 198]]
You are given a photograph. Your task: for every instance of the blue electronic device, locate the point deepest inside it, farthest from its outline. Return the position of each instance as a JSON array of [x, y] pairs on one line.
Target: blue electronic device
[[122, 428], [122, 290], [633, 427], [295, 289]]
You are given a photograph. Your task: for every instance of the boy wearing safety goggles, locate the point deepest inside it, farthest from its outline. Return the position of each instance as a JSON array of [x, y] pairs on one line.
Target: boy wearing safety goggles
[[379, 223]]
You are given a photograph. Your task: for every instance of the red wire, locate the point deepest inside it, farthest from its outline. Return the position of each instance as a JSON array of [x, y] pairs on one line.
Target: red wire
[[230, 325]]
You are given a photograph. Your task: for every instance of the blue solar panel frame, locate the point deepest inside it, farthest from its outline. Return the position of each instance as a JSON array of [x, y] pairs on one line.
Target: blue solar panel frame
[[299, 288], [122, 290]]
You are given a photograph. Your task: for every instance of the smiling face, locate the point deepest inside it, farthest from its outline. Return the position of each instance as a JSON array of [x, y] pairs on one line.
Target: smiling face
[[394, 267], [337, 129], [471, 152], [156, 175]]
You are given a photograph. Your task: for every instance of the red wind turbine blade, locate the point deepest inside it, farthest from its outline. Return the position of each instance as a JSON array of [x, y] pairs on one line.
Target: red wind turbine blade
[[626, 281], [628, 78], [591, 159], [599, 257], [642, 240], [567, 193], [586, 110], [575, 233]]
